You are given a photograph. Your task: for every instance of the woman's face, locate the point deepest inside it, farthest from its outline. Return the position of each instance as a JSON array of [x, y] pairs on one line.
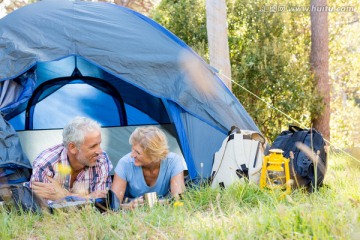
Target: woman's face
[[140, 157]]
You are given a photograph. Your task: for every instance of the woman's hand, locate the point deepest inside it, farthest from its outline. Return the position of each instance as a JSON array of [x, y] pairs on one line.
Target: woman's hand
[[118, 187], [177, 184], [163, 201], [133, 204]]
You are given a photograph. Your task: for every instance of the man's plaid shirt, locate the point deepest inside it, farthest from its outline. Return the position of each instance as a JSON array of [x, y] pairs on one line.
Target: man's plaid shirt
[[88, 180]]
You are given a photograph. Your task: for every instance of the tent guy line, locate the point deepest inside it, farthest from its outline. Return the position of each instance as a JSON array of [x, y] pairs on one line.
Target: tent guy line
[[267, 103], [286, 115]]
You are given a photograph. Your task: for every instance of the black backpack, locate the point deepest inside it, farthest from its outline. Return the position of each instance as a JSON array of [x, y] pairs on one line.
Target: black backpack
[[302, 167]]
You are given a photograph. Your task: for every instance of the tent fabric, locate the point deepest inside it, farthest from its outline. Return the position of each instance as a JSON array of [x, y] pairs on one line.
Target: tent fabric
[[11, 153], [94, 45]]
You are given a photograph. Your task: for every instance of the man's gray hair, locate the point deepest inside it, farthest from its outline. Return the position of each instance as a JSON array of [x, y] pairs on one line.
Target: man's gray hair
[[76, 130]]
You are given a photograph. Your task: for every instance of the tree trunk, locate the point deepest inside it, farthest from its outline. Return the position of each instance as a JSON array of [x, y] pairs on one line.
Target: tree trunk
[[216, 25], [319, 60]]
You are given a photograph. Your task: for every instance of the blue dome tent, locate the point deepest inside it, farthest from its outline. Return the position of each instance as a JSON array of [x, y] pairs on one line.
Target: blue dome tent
[[60, 59]]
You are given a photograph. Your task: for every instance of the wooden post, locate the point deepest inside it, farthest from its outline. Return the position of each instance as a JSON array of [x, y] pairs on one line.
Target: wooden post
[[319, 60], [216, 26]]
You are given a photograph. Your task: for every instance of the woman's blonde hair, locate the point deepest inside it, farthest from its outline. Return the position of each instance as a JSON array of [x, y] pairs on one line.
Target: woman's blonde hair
[[152, 140]]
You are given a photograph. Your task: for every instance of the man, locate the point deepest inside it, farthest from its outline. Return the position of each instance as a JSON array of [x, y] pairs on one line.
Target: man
[[77, 167]]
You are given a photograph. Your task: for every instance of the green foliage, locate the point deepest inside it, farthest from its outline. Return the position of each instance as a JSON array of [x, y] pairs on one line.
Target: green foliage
[[240, 211], [344, 73], [345, 122], [187, 20], [269, 53], [270, 57]]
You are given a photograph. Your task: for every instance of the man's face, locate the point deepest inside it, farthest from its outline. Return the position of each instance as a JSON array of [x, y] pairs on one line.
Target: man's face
[[90, 150]]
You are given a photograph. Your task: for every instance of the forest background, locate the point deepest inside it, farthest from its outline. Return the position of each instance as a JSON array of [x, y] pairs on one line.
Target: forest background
[[269, 45]]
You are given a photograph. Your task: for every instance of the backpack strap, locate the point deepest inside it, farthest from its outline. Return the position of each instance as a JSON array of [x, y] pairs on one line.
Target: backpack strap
[[214, 172], [234, 129], [243, 171], [294, 128], [256, 155]]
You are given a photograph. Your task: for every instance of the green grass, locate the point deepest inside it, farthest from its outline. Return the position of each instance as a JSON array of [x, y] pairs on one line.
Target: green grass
[[239, 212]]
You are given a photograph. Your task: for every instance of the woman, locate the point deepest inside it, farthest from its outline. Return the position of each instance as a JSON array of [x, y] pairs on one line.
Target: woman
[[149, 167]]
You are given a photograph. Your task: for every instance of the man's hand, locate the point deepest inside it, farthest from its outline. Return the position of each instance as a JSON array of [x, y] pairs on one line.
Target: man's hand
[[98, 194], [50, 191]]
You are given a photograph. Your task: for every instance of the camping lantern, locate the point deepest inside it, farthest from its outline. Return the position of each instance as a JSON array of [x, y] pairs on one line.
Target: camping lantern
[[275, 173]]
